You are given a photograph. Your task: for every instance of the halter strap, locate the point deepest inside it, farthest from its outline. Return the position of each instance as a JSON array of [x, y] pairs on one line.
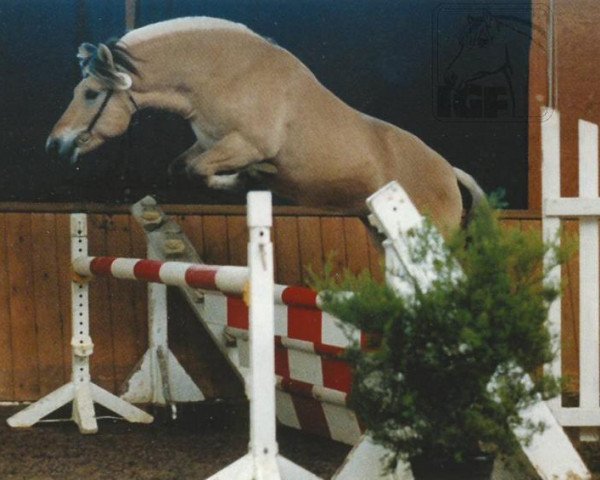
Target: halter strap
[[109, 94], [92, 124]]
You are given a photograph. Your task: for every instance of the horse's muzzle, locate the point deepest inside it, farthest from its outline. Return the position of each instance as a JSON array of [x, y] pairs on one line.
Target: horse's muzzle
[[59, 149], [53, 147]]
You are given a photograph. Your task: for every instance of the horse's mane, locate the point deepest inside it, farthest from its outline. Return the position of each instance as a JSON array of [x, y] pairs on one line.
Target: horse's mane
[[93, 64], [123, 59]]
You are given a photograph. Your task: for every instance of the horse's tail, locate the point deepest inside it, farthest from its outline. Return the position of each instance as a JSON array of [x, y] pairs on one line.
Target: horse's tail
[[477, 193]]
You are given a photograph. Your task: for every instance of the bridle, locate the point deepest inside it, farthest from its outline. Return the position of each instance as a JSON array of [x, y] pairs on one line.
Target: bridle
[[109, 94]]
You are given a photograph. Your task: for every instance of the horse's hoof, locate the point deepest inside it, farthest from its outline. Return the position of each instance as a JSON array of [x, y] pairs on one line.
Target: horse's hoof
[[229, 182], [177, 168]]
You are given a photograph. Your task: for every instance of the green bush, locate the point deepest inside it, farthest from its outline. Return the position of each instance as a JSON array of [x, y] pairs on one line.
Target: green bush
[[425, 389]]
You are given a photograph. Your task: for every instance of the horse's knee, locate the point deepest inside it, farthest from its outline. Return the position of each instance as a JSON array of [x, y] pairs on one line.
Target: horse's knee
[[197, 167]]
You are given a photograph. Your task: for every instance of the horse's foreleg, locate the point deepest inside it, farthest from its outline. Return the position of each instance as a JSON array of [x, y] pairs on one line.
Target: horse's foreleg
[[179, 165], [231, 153]]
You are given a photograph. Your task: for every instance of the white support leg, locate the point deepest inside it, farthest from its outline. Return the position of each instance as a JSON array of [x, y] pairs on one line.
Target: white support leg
[[80, 391], [367, 460], [159, 378], [263, 461]]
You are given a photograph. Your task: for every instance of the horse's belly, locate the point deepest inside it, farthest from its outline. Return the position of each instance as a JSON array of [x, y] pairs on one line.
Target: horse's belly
[[322, 191]]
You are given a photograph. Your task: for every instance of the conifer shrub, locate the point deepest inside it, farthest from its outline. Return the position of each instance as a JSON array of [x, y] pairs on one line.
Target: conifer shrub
[[446, 376]]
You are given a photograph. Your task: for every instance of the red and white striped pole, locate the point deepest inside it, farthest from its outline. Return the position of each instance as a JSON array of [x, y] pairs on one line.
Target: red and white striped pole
[[229, 280]]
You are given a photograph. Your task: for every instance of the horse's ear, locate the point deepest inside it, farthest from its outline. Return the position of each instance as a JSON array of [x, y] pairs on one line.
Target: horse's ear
[[84, 54], [105, 55]]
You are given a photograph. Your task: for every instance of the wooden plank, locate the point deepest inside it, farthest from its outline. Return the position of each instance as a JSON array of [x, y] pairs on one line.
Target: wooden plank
[[63, 259], [102, 361], [539, 96], [202, 210], [572, 207], [192, 227], [570, 347], [171, 209], [237, 238], [128, 342], [6, 371], [214, 234], [287, 252], [130, 14], [311, 246], [551, 188], [357, 247], [334, 244], [569, 140], [22, 311], [47, 304], [589, 268], [376, 258], [511, 224]]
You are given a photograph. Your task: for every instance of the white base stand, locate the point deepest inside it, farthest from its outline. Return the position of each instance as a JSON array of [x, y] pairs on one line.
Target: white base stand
[[551, 452], [274, 468], [160, 379], [83, 396], [81, 391], [367, 460]]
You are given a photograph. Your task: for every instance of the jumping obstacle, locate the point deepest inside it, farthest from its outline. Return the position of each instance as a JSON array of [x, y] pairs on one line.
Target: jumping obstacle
[[80, 390], [310, 377], [586, 209], [312, 380]]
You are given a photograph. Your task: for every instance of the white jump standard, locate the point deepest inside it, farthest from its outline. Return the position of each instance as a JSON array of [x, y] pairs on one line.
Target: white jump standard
[[80, 390]]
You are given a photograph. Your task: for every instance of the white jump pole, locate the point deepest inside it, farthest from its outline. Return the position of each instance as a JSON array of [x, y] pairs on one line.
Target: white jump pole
[[80, 390], [262, 462]]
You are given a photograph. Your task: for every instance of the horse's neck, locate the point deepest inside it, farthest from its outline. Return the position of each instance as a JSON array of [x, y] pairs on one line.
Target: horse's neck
[[168, 99], [163, 80], [179, 70]]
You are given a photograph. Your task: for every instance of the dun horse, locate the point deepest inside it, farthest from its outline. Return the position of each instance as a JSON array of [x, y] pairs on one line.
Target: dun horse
[[250, 101]]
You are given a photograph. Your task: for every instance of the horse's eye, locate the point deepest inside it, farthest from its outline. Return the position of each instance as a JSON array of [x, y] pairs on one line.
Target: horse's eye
[[91, 94]]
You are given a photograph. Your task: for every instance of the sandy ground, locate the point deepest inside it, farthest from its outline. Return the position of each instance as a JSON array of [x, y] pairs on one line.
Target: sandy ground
[[199, 443]]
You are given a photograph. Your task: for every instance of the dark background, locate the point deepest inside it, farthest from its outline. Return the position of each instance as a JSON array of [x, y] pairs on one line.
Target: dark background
[[383, 57]]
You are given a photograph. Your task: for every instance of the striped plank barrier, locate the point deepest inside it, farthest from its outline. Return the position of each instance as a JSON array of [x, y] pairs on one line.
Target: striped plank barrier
[[229, 280], [313, 380]]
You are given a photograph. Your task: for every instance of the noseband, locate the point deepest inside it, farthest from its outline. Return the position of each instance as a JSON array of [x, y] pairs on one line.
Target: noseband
[[107, 98]]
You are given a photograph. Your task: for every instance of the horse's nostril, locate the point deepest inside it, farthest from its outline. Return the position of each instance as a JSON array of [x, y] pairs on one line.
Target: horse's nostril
[[53, 147]]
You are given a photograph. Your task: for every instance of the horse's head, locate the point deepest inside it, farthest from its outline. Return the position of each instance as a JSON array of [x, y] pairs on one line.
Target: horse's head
[[102, 104]]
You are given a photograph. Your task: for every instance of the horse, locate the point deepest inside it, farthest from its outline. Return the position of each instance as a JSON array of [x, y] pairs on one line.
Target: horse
[[252, 105]]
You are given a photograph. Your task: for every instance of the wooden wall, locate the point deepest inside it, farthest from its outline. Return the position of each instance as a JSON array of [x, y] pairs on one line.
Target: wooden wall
[[563, 75], [35, 288], [35, 292]]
